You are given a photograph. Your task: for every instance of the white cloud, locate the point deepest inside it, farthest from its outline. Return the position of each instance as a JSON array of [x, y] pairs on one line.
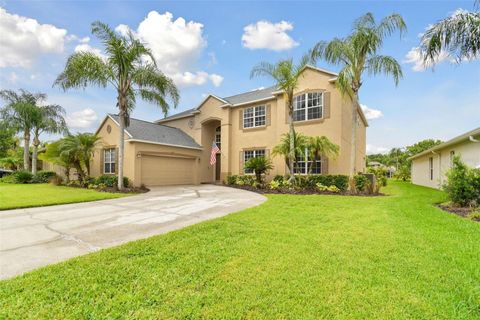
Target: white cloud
[[12, 77], [82, 119], [176, 46], [371, 113], [85, 47], [199, 78], [371, 149], [23, 40], [415, 57], [268, 35]]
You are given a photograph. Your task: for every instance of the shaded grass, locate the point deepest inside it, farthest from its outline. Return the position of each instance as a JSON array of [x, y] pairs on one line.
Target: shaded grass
[[293, 257], [14, 196]]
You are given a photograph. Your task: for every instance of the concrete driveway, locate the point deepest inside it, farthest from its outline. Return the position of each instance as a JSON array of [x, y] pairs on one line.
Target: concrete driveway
[[31, 238]]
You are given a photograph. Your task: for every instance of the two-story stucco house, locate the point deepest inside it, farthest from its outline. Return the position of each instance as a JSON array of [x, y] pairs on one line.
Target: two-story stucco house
[[177, 149]]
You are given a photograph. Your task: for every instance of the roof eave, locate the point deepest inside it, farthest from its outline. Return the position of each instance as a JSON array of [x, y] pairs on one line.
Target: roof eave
[[164, 144]]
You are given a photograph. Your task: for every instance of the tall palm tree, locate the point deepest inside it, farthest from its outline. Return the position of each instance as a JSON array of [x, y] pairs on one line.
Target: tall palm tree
[[78, 149], [358, 54], [284, 148], [20, 112], [286, 74], [459, 35], [129, 67], [48, 119], [321, 147]]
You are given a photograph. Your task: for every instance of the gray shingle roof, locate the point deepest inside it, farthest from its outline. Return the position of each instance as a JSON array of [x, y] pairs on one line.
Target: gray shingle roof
[[153, 132], [251, 96]]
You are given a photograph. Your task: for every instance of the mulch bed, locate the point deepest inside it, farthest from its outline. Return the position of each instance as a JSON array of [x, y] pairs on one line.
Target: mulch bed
[[301, 191], [459, 211], [125, 190]]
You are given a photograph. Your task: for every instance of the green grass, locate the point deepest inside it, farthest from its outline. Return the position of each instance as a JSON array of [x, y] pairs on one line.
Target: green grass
[[294, 257], [14, 196]]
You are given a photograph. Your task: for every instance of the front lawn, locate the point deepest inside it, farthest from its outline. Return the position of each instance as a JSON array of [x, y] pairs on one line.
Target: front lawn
[[293, 257], [35, 195]]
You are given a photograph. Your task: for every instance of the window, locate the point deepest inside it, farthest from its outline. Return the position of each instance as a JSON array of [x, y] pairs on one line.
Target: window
[[452, 155], [305, 165], [248, 154], [218, 137], [109, 160], [430, 164], [308, 106], [254, 117]]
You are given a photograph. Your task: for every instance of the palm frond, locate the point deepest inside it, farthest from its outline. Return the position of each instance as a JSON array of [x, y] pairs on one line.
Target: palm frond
[[82, 69], [387, 65]]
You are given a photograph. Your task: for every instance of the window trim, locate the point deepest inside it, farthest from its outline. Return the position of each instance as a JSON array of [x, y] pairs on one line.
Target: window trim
[[254, 156], [112, 161], [255, 116], [321, 106], [430, 168], [307, 161]]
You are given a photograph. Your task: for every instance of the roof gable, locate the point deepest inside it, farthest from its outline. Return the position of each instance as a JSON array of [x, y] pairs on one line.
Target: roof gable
[[145, 131]]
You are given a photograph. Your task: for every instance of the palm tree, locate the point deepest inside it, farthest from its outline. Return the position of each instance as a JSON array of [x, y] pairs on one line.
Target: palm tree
[[458, 35], [129, 67], [20, 113], [357, 54], [321, 146], [284, 148], [49, 119], [78, 149], [259, 165], [53, 154], [286, 75]]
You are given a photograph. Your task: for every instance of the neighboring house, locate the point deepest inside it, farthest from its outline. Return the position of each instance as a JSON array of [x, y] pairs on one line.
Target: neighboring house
[[390, 171], [177, 149], [429, 167]]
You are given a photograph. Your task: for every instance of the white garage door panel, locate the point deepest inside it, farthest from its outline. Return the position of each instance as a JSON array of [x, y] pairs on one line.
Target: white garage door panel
[[161, 171]]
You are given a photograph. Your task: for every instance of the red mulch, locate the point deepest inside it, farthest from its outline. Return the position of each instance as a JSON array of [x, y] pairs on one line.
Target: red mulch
[[459, 211], [301, 191]]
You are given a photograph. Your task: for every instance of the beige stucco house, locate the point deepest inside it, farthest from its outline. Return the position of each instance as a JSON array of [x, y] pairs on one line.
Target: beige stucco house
[[177, 149], [429, 167]]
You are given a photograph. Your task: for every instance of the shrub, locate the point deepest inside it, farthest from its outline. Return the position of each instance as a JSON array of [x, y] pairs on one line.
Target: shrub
[[23, 177], [110, 181], [339, 181], [403, 173], [302, 182], [232, 180], [278, 178], [43, 177], [321, 187], [260, 166], [361, 182], [8, 179], [380, 175], [332, 188], [245, 180], [274, 184], [463, 184], [56, 180]]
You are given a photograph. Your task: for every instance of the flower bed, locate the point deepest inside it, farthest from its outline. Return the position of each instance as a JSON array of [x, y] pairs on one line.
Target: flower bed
[[309, 184]]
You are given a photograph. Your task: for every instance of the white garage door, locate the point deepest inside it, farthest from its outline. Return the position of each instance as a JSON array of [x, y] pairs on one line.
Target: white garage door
[[162, 171]]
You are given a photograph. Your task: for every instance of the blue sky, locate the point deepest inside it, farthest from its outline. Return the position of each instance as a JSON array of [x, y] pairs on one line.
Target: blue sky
[[210, 47]]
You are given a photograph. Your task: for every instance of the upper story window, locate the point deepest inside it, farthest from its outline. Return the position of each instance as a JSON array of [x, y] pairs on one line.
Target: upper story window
[[308, 106], [254, 117], [109, 160], [304, 164], [248, 154], [218, 137]]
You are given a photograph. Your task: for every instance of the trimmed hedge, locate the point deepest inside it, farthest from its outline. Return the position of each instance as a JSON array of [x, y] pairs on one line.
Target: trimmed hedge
[[110, 181], [340, 181]]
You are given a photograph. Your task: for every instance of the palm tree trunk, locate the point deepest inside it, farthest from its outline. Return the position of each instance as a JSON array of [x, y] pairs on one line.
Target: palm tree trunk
[[353, 151], [26, 150], [36, 143], [292, 139], [121, 146]]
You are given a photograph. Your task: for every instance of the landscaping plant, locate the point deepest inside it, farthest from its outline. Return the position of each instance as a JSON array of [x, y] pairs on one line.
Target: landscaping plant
[[463, 184], [260, 166]]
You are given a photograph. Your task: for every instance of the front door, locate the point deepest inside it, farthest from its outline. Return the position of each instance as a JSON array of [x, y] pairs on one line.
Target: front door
[[217, 168]]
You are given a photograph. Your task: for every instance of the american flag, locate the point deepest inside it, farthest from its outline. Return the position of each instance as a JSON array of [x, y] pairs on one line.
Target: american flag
[[213, 155]]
